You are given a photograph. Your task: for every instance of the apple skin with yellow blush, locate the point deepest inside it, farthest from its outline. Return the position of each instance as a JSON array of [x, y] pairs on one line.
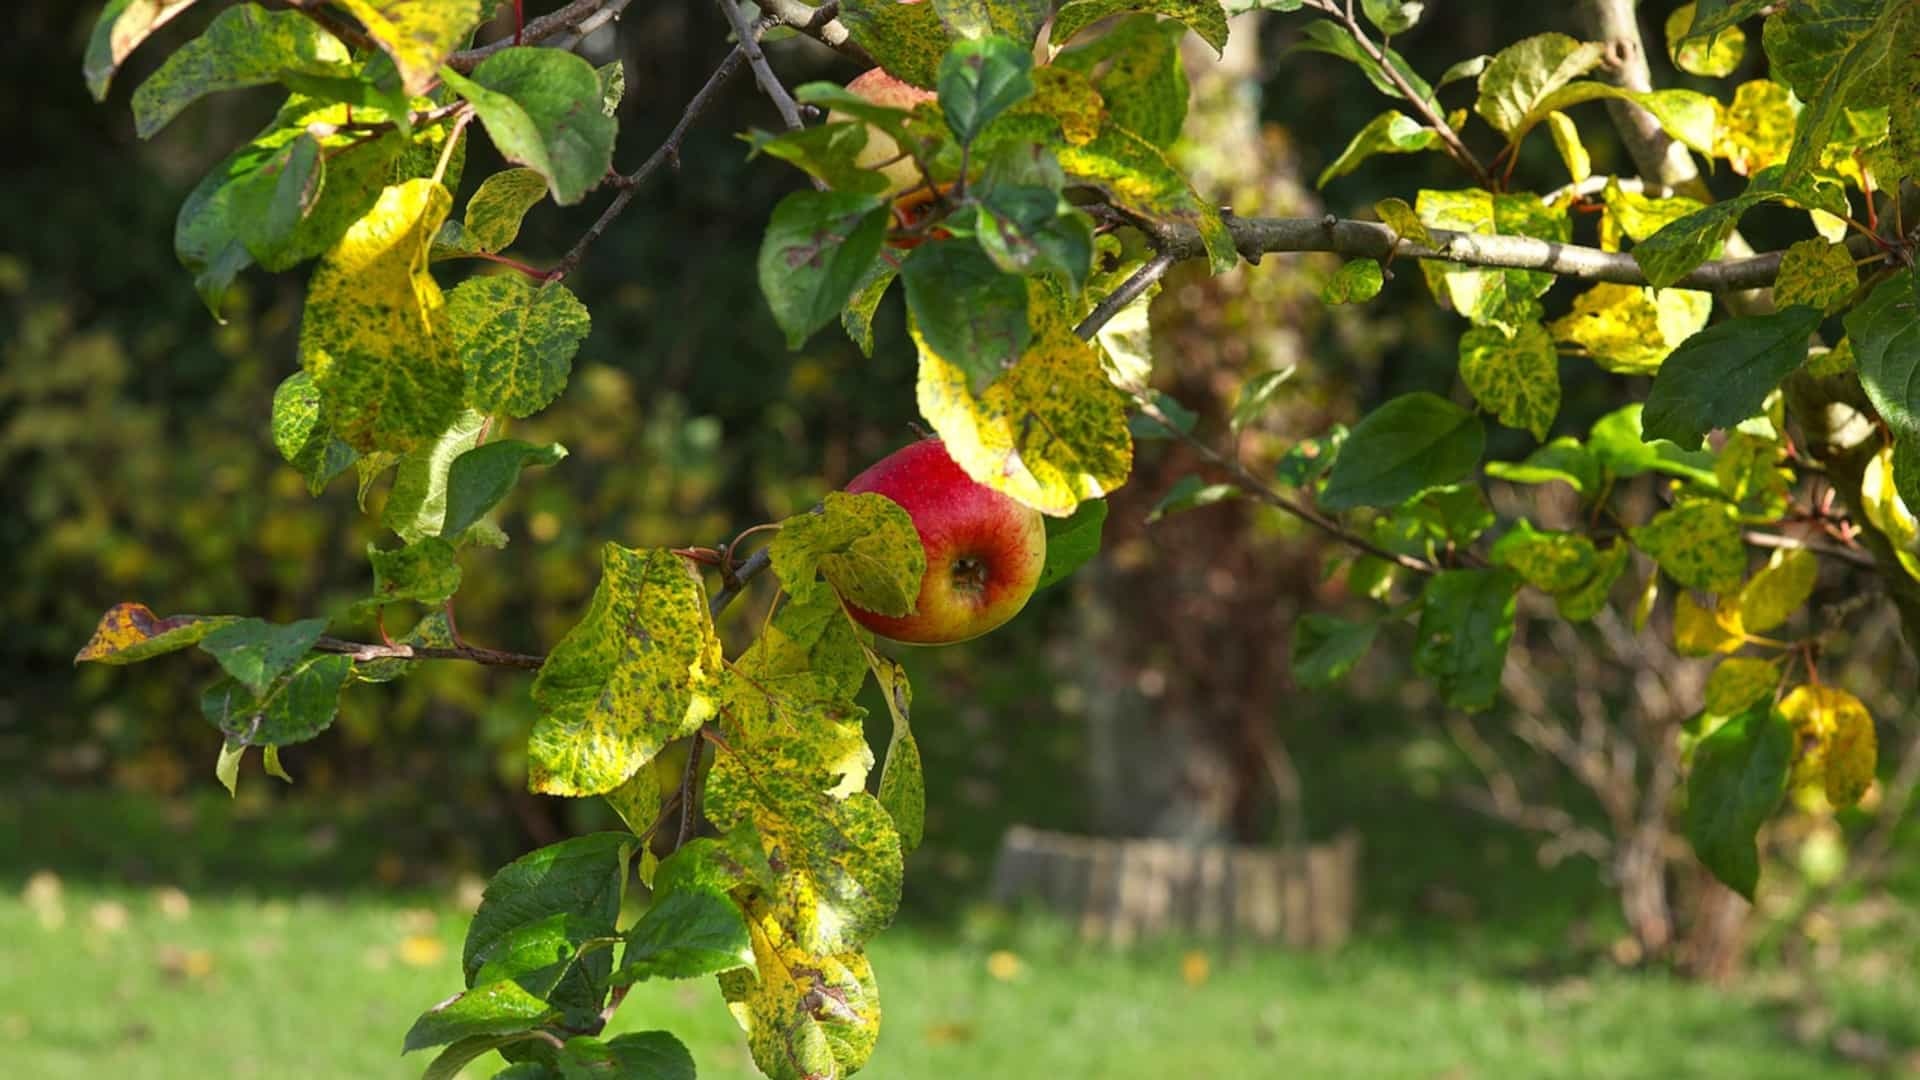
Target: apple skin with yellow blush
[[984, 550], [882, 152]]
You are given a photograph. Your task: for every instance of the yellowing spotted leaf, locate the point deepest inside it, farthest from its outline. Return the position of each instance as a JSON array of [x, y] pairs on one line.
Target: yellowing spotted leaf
[[1515, 376], [639, 670], [1817, 274], [370, 337], [129, 633], [1778, 590], [1549, 561], [865, 545], [1757, 129], [418, 34], [1630, 329], [1700, 631], [1836, 741], [1050, 432], [807, 1015], [1738, 682], [1697, 542]]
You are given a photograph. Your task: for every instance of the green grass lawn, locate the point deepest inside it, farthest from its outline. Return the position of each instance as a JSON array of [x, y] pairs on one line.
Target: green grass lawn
[[106, 980]]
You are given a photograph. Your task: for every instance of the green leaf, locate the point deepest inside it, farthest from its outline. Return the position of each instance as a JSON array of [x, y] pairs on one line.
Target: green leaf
[[903, 785], [368, 338], [690, 930], [255, 652], [492, 1009], [246, 46], [1188, 493], [907, 40], [1684, 114], [1629, 329], [1204, 17], [417, 505], [1327, 36], [296, 709], [1585, 600], [302, 438], [979, 80], [494, 213], [1515, 376], [1885, 332], [1405, 223], [1392, 132], [1050, 432], [516, 340], [419, 34], [1617, 444], [1072, 541], [1523, 75], [227, 766], [1833, 53], [270, 203], [1739, 776], [857, 318], [1563, 459], [818, 247], [1466, 621], [1697, 542], [865, 545], [1686, 242], [1255, 395], [1356, 282], [1712, 55], [830, 152], [1721, 375], [1392, 17], [121, 27], [1552, 562], [424, 572], [1136, 67], [464, 1052], [639, 670], [1325, 649], [542, 109], [1411, 444], [129, 633], [645, 1055], [481, 477], [1713, 16], [967, 309]]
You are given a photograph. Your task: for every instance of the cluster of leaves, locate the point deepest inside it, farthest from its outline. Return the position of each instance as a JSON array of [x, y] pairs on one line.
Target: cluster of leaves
[[1836, 128], [1038, 190]]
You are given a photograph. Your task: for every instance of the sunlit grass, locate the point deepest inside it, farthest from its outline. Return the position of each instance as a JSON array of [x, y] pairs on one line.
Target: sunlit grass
[[106, 980]]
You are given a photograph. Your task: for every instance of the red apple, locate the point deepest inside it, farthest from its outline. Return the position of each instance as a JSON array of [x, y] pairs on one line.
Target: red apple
[[984, 550], [881, 151]]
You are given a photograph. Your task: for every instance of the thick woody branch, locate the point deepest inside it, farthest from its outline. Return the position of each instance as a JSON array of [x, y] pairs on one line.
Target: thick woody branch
[[1658, 157]]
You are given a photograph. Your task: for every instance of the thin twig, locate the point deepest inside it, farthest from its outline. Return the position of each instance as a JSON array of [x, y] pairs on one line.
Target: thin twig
[[1790, 543], [1130, 290], [1426, 107], [363, 651], [532, 33], [770, 84], [747, 571]]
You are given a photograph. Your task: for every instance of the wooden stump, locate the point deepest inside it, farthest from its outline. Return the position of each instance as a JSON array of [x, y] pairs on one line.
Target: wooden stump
[[1121, 890]]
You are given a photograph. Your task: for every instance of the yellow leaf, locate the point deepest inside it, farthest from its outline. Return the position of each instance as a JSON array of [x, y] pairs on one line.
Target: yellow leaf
[[1757, 129], [422, 950], [1738, 682], [1003, 965], [1816, 273], [418, 34], [370, 338], [1836, 741], [1516, 376], [1630, 329], [806, 1015], [1698, 631], [1049, 432], [1566, 139], [1713, 55], [1778, 590]]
